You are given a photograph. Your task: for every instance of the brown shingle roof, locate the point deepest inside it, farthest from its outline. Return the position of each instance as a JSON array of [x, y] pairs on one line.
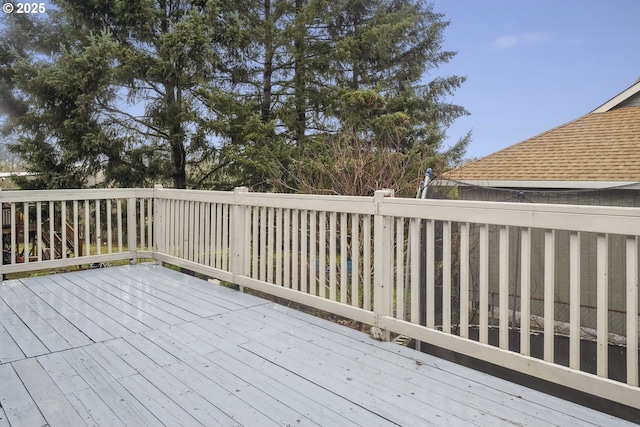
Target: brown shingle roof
[[596, 147]]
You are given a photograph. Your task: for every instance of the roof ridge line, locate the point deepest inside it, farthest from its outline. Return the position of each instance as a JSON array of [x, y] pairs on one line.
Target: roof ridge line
[[619, 98]]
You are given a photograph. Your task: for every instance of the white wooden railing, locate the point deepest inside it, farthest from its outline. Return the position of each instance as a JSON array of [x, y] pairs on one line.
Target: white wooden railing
[[59, 228], [452, 274]]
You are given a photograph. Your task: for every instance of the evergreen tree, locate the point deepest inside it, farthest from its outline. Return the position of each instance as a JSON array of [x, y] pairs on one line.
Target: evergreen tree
[[116, 55], [219, 93], [360, 73]]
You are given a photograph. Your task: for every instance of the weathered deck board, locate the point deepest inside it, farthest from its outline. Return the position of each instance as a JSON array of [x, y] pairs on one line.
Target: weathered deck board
[[225, 297], [19, 407], [507, 393], [147, 292], [9, 350], [127, 408], [54, 406], [97, 328], [4, 422], [84, 296], [477, 396], [148, 346], [63, 327], [188, 297], [139, 314], [34, 320]]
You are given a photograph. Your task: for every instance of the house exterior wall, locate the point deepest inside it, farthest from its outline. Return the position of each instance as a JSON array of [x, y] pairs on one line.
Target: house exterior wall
[[633, 101], [617, 303], [618, 198]]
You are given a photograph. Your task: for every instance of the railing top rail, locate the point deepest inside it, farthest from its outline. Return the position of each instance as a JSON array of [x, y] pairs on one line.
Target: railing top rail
[[327, 203], [12, 196], [600, 219]]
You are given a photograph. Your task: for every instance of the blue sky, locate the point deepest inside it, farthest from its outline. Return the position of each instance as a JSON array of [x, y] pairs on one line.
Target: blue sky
[[532, 65]]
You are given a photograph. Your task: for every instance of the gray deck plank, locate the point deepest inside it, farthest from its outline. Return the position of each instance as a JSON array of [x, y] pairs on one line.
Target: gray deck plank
[[478, 395], [4, 422], [148, 395], [134, 357], [309, 366], [167, 298], [388, 377], [169, 294], [184, 295], [442, 393], [52, 340], [188, 341], [226, 397], [319, 404], [380, 392], [392, 408], [119, 400], [544, 405], [54, 406], [67, 330], [158, 403], [529, 401], [93, 409], [62, 373], [150, 349], [227, 401], [190, 398], [475, 395], [28, 342], [98, 328], [139, 309], [143, 296], [208, 379], [9, 350], [316, 403], [268, 409], [224, 296], [109, 361], [204, 411], [547, 406], [19, 407], [222, 333], [118, 306]]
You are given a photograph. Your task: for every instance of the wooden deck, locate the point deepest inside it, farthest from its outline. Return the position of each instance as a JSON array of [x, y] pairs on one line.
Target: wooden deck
[[148, 346]]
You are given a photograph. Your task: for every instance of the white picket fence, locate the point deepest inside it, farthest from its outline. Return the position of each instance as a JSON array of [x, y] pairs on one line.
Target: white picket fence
[[362, 258]]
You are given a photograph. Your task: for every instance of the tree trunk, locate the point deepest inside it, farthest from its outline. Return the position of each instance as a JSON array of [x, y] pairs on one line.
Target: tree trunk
[[299, 78], [176, 136], [268, 64]]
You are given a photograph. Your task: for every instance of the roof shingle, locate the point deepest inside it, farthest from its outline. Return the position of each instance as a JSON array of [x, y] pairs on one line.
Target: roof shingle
[[600, 146]]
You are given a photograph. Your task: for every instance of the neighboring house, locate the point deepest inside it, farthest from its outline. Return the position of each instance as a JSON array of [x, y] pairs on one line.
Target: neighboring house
[[593, 160], [5, 179]]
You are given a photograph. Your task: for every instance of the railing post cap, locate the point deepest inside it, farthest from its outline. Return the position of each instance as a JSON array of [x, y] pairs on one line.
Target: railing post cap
[[381, 194], [240, 190], [158, 187]]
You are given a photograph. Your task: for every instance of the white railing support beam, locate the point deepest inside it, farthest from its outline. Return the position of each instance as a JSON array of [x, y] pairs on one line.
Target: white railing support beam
[[159, 221], [383, 268], [237, 232], [132, 239]]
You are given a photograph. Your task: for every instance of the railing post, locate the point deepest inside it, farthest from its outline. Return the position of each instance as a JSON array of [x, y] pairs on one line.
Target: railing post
[[383, 269], [132, 239], [158, 222], [2, 275], [238, 230]]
